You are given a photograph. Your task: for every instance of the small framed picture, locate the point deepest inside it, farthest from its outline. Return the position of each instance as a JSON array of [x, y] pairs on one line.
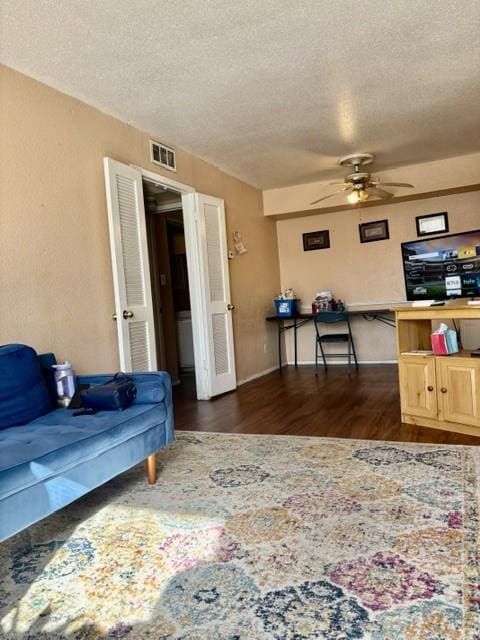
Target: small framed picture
[[316, 240], [373, 231], [434, 223]]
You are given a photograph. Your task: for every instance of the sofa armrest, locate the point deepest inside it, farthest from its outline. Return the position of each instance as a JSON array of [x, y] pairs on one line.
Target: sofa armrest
[[153, 387]]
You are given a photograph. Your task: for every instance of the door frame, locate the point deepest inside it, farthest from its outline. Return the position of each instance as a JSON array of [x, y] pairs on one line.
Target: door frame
[[195, 276]]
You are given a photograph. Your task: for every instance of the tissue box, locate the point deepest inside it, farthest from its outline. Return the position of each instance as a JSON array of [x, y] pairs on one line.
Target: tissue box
[[445, 343], [452, 341], [439, 344]]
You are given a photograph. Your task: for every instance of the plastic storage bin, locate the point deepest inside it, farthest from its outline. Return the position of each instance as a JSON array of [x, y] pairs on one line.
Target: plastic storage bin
[[286, 308]]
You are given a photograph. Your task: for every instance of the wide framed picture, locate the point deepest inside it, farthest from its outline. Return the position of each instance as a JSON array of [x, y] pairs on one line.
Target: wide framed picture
[[374, 231], [431, 224], [316, 240]]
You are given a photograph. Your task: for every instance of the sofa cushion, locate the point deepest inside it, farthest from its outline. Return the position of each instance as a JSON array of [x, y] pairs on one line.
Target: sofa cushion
[[23, 392], [57, 441]]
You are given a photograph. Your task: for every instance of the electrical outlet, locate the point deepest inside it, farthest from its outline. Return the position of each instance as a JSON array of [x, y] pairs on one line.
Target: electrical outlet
[[231, 255]]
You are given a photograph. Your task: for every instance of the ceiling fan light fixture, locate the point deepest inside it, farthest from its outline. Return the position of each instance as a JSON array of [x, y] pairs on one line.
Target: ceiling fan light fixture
[[357, 195], [353, 197]]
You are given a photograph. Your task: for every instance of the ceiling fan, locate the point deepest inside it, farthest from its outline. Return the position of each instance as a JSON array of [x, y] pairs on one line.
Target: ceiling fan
[[361, 185]]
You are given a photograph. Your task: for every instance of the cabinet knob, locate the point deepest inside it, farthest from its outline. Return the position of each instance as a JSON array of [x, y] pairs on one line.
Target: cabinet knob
[[443, 390], [430, 388]]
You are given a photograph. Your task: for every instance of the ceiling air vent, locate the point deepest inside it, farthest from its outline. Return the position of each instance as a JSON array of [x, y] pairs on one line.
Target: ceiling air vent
[[163, 155]]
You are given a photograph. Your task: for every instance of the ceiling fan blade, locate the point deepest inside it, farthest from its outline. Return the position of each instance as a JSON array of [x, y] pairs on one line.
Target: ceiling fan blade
[[379, 192], [335, 183], [397, 184], [332, 194]]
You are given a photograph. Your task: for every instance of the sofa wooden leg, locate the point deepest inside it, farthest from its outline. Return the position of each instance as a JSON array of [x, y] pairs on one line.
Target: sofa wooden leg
[[151, 467]]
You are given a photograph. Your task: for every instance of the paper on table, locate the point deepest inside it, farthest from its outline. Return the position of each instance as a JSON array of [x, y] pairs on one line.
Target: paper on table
[[418, 352], [422, 303]]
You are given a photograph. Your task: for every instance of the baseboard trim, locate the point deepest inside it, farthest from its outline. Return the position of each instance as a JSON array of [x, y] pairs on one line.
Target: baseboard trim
[[257, 375], [309, 362], [343, 363]]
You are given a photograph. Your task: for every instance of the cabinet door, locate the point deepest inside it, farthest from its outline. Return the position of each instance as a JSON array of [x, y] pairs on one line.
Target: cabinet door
[[418, 394], [459, 390]]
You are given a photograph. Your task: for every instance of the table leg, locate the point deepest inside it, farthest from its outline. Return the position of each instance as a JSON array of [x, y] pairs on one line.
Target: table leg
[[295, 339], [279, 346]]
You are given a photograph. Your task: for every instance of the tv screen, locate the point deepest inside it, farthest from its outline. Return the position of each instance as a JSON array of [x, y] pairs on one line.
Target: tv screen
[[442, 268]]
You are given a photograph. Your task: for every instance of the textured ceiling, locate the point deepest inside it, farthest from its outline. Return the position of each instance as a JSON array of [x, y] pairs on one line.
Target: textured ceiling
[[272, 91]]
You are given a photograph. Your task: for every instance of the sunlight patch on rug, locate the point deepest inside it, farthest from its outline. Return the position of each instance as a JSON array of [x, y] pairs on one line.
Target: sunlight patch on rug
[[268, 537]]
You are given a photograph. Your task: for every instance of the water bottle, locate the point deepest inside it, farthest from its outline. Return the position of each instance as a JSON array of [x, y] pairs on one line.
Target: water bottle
[[64, 383]]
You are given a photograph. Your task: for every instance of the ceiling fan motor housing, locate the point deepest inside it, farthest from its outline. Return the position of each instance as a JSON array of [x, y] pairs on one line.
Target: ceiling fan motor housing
[[357, 178]]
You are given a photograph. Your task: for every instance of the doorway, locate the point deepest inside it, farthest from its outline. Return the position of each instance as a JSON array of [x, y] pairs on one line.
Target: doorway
[[207, 272], [169, 280]]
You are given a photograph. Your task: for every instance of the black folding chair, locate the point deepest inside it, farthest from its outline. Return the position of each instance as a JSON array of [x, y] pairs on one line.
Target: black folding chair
[[332, 317]]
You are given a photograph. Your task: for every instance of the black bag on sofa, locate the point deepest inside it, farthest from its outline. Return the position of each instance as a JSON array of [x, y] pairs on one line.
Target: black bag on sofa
[[116, 394]]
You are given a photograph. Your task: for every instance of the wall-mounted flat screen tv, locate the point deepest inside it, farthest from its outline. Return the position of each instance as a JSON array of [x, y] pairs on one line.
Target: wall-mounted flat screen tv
[[442, 268]]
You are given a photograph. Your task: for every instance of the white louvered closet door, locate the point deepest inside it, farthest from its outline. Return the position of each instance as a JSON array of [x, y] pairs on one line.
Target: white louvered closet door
[[214, 258], [131, 273]]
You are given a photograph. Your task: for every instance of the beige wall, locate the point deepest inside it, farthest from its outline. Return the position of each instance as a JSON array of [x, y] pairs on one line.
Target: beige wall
[[361, 273], [56, 289]]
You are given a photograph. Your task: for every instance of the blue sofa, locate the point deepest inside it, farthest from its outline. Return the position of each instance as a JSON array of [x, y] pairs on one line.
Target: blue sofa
[[49, 458]]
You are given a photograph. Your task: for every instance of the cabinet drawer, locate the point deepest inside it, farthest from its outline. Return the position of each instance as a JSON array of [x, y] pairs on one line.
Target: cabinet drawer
[[418, 393]]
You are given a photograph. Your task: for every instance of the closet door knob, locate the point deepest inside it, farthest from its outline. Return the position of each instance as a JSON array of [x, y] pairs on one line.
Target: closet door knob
[[230, 307], [443, 390], [127, 314], [430, 388]]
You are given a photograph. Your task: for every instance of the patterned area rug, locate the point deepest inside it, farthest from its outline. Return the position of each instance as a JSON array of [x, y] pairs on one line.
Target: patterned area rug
[[247, 537]]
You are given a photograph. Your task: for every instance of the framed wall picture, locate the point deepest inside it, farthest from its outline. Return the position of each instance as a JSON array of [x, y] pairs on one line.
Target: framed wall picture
[[373, 231], [316, 240], [431, 224]]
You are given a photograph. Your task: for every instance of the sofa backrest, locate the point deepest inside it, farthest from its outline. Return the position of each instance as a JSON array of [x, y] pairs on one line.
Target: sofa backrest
[[47, 360], [23, 392]]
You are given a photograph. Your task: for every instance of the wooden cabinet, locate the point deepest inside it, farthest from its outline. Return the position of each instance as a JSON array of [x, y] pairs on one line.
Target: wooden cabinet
[[418, 392], [442, 392], [443, 388]]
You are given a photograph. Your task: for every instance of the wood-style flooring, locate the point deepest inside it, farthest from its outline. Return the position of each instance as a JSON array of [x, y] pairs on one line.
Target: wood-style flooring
[[365, 406]]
